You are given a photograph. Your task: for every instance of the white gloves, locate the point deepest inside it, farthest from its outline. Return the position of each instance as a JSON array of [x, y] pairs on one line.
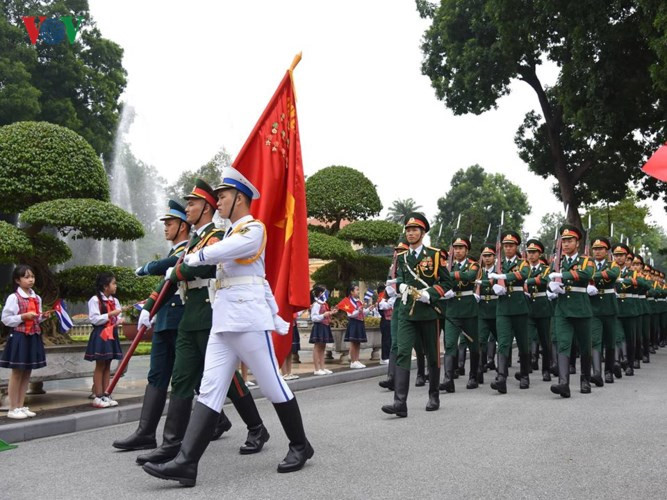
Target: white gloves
[[391, 291], [555, 275], [495, 276], [192, 259], [477, 297], [556, 287], [425, 297], [144, 319], [592, 290], [281, 326], [390, 282], [478, 282], [139, 271], [168, 273], [449, 294], [402, 287], [551, 296], [499, 290]]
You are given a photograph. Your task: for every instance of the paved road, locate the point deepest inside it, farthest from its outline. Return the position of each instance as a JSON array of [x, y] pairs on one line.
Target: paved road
[[527, 444]]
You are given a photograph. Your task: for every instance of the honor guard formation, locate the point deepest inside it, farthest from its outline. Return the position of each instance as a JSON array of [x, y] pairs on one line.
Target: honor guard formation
[[555, 307]]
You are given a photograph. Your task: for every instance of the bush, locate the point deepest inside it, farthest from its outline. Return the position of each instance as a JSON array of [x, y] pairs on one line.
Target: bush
[[371, 233], [78, 283], [53, 161], [372, 322], [13, 242]]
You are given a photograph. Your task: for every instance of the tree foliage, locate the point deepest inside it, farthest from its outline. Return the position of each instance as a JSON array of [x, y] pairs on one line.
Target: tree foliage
[[606, 112], [40, 161], [78, 283], [323, 246], [83, 218], [211, 172], [13, 242], [339, 274], [480, 198], [400, 209], [54, 250], [371, 233], [76, 86], [339, 193]]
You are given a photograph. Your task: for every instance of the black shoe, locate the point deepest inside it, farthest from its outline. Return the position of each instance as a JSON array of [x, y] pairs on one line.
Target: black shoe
[[500, 384], [596, 362], [608, 378], [391, 368], [461, 370], [573, 369], [480, 377], [546, 376], [524, 365], [617, 370], [254, 443], [184, 466], [300, 449], [448, 381], [420, 381], [646, 359], [386, 384], [151, 411], [472, 383], [222, 425], [433, 392], [178, 416], [637, 365], [629, 371], [401, 383], [562, 388]]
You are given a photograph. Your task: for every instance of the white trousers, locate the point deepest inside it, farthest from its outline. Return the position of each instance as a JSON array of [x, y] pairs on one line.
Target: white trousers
[[223, 353]]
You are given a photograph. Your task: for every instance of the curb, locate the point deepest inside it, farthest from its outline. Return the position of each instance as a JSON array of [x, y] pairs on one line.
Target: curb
[[65, 424]]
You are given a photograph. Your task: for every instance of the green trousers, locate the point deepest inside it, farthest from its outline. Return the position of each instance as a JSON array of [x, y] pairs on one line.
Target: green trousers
[[574, 328], [408, 333], [163, 355], [486, 327], [539, 330], [189, 366], [509, 328], [454, 328], [603, 332], [620, 333]]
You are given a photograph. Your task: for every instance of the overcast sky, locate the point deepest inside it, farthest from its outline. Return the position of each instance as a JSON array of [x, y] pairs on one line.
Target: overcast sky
[[201, 72]]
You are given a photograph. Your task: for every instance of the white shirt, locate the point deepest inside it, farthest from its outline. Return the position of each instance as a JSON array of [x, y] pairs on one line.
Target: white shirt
[[179, 243], [94, 315], [315, 315], [10, 313], [418, 250], [202, 229]]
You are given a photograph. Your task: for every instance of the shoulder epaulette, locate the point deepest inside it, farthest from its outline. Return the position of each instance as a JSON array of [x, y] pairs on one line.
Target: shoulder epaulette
[[433, 248], [402, 252]]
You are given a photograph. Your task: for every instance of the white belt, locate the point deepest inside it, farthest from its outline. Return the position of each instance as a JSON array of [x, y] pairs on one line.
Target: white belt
[[516, 288], [661, 300], [240, 280], [650, 298], [577, 289], [464, 294], [641, 297], [493, 297], [538, 294], [633, 295], [606, 290], [198, 283]]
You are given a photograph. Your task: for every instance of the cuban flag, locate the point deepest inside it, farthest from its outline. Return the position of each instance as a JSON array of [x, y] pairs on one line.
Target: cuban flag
[[368, 296], [63, 316]]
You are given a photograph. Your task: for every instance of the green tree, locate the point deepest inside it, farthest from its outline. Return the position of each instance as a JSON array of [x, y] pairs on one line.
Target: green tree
[[338, 193], [211, 172], [399, 209], [480, 198], [606, 111], [77, 86], [549, 225], [48, 175]]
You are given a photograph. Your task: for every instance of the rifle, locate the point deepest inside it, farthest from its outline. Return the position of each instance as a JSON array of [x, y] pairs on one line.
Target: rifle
[[499, 246], [450, 257], [555, 264], [587, 239], [478, 288]]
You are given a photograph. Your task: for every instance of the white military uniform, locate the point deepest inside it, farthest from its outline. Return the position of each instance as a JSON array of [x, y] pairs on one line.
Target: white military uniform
[[244, 315]]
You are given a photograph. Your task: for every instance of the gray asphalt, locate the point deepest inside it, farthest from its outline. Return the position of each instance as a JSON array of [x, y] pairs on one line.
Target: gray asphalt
[[526, 444]]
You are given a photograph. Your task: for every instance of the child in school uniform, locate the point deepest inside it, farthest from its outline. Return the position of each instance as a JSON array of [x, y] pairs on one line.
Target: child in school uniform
[[24, 350], [104, 312], [355, 333], [320, 335]]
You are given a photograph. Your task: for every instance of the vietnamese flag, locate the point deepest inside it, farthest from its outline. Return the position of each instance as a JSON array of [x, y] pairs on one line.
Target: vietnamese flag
[[271, 160], [656, 166]]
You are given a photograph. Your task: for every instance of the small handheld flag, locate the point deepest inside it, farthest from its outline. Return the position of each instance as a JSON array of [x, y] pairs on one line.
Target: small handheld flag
[[64, 319], [139, 306], [368, 296]]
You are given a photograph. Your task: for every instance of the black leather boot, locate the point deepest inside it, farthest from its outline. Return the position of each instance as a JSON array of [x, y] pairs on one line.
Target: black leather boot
[[300, 449], [448, 381], [391, 367], [480, 367], [562, 388], [500, 384], [524, 364], [222, 425], [178, 416], [433, 390], [401, 382], [474, 371], [609, 366], [183, 468], [461, 370], [151, 411], [585, 378], [596, 378], [491, 355], [420, 380], [546, 365], [554, 359], [573, 365], [257, 433], [622, 354], [534, 356], [647, 350]]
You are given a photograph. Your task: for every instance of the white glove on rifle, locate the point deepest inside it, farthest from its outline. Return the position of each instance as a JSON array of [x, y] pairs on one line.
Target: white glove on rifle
[[425, 297], [499, 289], [144, 319], [556, 287], [449, 294], [495, 276], [551, 296], [477, 297], [168, 273], [139, 271], [555, 275], [193, 259], [592, 290], [391, 291], [402, 287]]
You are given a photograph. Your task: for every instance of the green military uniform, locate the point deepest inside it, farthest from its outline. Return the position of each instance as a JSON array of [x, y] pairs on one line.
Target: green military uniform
[[540, 310], [605, 312], [573, 314], [628, 312], [422, 279], [662, 308], [644, 321], [512, 315], [486, 315], [461, 318]]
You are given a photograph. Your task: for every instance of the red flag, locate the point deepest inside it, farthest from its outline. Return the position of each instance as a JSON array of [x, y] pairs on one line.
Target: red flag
[[346, 305], [656, 166], [271, 160]]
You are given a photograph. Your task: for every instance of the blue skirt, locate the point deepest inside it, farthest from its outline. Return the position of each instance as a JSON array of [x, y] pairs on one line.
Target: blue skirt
[[103, 350], [23, 352], [356, 331], [321, 334], [296, 340]]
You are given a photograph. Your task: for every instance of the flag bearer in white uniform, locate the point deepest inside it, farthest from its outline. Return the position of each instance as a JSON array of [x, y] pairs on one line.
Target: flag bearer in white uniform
[[244, 315]]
